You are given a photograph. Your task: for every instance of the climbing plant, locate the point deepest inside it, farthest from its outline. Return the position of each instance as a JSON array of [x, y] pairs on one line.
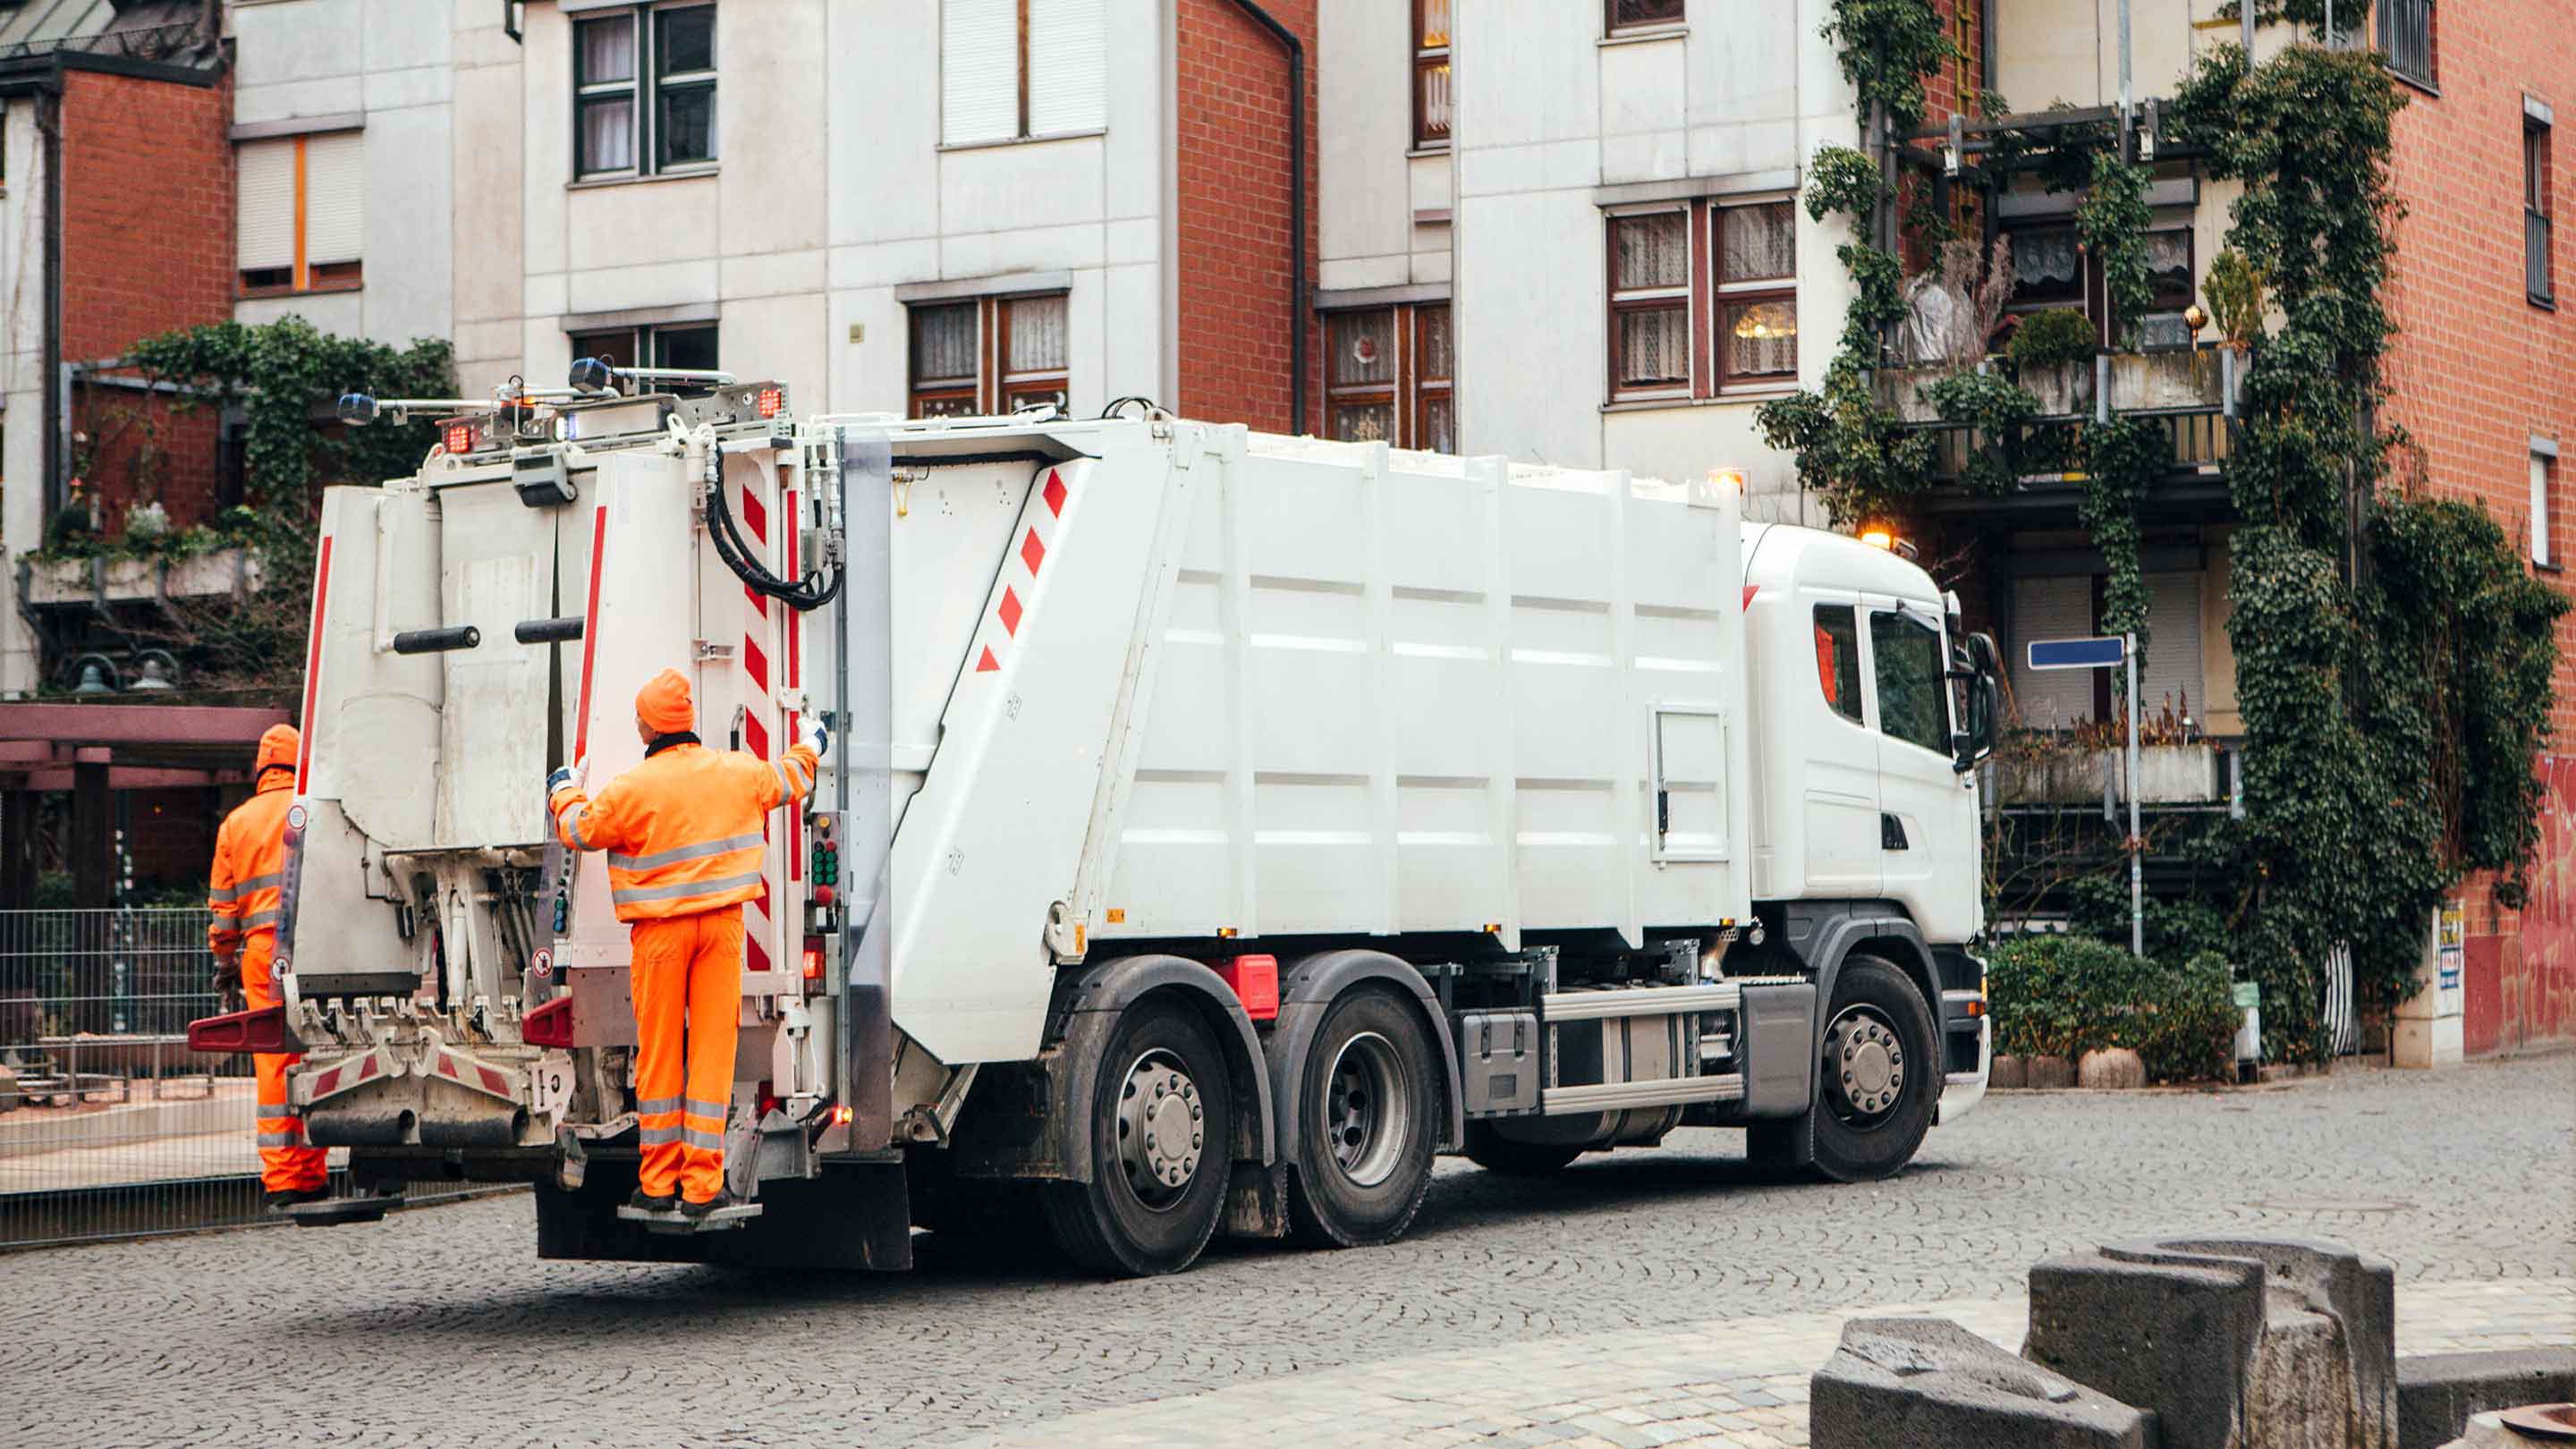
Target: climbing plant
[[2112, 222]]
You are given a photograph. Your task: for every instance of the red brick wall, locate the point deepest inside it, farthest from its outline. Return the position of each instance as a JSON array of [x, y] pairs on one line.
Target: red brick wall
[[1232, 125], [2477, 370], [147, 246], [1951, 90]]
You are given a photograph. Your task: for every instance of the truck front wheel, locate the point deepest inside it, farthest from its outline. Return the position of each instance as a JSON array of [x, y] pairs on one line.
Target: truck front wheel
[[1367, 1125], [1878, 1074], [1162, 1131]]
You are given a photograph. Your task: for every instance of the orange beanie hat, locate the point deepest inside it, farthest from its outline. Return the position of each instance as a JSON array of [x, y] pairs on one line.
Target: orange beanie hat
[[664, 704], [277, 747]]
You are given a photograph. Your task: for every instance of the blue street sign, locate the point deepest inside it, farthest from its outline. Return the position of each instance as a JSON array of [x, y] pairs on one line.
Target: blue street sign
[[2098, 653]]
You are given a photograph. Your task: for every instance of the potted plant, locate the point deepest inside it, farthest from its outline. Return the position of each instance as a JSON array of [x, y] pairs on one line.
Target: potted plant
[[2053, 351]]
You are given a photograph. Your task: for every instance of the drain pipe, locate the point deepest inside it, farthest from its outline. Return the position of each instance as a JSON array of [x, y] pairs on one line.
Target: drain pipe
[[1296, 205], [57, 393]]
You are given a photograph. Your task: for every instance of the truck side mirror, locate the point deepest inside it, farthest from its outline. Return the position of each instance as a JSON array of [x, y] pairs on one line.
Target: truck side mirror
[[1985, 704]]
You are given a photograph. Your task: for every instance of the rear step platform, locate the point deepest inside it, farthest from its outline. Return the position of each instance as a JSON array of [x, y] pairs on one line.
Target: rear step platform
[[732, 1215], [331, 1212]]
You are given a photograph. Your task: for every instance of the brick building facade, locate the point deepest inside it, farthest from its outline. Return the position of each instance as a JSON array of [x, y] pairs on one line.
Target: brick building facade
[[2482, 375]]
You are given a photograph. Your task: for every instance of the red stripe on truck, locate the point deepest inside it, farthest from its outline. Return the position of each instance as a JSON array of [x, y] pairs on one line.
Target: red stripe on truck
[[313, 665], [590, 630]]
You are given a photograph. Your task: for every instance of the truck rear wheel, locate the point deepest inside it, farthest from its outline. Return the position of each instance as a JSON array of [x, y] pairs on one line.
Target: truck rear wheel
[[1878, 1079], [1162, 1130], [1494, 1152], [1368, 1124]]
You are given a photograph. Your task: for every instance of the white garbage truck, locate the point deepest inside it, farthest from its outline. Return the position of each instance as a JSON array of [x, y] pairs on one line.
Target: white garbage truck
[[1217, 827]]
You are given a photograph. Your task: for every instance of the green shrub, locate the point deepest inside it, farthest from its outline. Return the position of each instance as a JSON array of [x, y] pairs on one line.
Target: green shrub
[[2066, 995], [2053, 338]]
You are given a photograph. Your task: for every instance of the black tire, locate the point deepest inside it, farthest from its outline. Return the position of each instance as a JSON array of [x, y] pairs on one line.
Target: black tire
[[1114, 1224], [1368, 1124], [1496, 1153], [1861, 1143]]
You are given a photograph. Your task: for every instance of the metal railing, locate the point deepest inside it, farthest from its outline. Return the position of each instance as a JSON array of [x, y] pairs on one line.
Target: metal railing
[[2198, 439], [2406, 38], [2535, 256], [146, 42], [109, 1126]]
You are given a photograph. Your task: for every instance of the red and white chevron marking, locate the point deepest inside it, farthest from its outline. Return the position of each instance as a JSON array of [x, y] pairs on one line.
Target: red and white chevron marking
[[753, 679], [1021, 572]]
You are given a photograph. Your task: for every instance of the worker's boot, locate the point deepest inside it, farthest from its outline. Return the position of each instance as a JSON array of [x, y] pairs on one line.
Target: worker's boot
[[651, 1204], [691, 1209], [289, 1197]]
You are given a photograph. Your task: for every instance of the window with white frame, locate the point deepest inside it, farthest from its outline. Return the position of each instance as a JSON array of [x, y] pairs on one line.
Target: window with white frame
[[300, 213], [989, 355], [644, 90], [2544, 469], [1013, 70], [1703, 300]]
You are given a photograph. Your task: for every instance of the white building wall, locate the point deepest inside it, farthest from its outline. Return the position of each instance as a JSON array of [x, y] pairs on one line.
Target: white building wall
[[1382, 207], [1550, 112], [23, 285], [389, 64]]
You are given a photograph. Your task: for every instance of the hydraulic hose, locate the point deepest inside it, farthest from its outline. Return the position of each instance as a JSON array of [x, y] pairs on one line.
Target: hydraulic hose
[[805, 595]]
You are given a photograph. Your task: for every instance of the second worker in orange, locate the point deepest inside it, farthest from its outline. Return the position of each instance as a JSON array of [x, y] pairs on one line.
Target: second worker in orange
[[685, 835]]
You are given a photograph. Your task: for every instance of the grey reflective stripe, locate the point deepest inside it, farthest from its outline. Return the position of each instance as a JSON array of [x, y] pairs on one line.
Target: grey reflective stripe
[[274, 1111], [677, 853], [683, 888], [661, 1136], [225, 896], [258, 883], [570, 819], [280, 1139], [709, 1141], [706, 1109], [658, 1104], [796, 769], [257, 919]]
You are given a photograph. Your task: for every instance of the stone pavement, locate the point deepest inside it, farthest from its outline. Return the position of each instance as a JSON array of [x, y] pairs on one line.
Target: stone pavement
[[442, 1326], [1737, 1383]]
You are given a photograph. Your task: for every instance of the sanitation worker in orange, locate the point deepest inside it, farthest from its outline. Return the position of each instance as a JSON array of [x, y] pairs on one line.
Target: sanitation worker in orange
[[685, 837], [242, 894]]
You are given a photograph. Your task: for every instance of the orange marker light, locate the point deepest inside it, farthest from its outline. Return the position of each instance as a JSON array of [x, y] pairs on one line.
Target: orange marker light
[[770, 401], [460, 438], [1879, 538]]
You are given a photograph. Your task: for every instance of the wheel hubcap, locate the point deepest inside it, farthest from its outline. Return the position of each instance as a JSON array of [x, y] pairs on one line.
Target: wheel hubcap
[[1162, 1128], [1864, 1066], [1368, 1108]]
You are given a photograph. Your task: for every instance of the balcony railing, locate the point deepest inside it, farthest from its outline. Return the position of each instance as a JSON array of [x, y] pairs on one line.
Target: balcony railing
[[2183, 393], [2406, 38], [174, 42], [2535, 257]]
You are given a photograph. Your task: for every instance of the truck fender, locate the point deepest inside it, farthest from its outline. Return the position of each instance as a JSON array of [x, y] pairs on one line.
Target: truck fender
[[1834, 932], [1091, 1004], [1308, 989]]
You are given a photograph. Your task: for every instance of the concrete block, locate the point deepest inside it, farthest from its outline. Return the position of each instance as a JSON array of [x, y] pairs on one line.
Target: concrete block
[[2112, 1069], [2009, 1073], [2049, 1072], [2437, 1393], [1927, 1383], [2233, 1343], [2421, 1042]]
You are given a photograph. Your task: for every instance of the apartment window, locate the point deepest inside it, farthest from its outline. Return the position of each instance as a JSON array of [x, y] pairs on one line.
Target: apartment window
[[2406, 38], [690, 345], [1757, 299], [2169, 272], [1430, 74], [300, 213], [644, 90], [1642, 14], [1012, 70], [987, 355], [1685, 327], [2536, 280], [2544, 468], [1650, 305], [2048, 267], [1387, 376]]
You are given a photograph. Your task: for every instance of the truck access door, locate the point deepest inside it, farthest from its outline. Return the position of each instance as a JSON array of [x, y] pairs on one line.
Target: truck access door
[[1840, 798], [1927, 812]]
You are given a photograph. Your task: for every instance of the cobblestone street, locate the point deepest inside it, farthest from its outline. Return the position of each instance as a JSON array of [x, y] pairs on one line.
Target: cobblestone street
[[1688, 1282]]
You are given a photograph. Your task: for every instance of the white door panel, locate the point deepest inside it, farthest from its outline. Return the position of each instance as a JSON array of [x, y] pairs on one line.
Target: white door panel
[[1841, 799]]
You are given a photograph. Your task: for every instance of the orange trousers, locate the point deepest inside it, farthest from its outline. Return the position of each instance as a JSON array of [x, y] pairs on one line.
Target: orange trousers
[[285, 1163], [685, 967]]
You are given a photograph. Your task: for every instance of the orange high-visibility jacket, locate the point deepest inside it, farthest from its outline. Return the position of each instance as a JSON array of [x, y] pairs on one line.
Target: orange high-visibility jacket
[[683, 829], [250, 860]]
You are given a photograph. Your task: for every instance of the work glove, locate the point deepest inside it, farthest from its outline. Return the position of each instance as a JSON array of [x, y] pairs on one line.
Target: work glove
[[572, 775], [228, 973], [817, 736]]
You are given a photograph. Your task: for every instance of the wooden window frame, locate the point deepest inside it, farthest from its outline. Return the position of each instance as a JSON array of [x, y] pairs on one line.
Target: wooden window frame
[[1654, 299], [1611, 24], [643, 342], [304, 278], [1387, 394], [2539, 140], [995, 388], [1428, 389], [1426, 59], [1735, 293], [644, 90]]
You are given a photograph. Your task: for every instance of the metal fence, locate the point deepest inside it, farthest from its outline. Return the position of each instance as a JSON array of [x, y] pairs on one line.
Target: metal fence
[[2406, 35], [109, 1125]]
